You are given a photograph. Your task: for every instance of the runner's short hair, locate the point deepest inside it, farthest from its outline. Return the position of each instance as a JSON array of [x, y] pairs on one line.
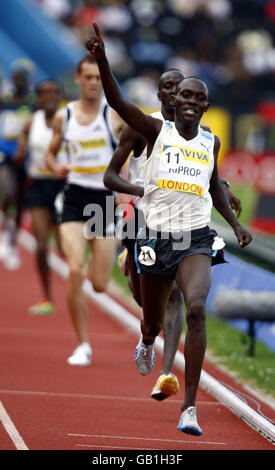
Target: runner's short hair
[[40, 85], [87, 58]]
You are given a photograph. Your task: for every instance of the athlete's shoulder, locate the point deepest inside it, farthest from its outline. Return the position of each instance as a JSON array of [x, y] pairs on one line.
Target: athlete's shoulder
[[59, 119], [217, 144], [38, 113], [157, 115], [205, 128], [206, 133]]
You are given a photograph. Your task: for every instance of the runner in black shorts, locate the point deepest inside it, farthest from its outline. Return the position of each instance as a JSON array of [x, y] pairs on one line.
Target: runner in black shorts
[[181, 184], [42, 193], [133, 144], [75, 199], [90, 128], [42, 186]]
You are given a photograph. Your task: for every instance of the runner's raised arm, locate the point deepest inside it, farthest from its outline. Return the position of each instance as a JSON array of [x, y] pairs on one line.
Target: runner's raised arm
[[147, 126]]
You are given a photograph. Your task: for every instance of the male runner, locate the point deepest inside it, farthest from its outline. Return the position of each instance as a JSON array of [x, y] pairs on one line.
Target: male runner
[[43, 185], [181, 185], [90, 129], [167, 383]]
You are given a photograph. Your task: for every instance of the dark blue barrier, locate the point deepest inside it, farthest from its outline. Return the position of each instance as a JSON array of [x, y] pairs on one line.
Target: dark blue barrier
[[238, 274]]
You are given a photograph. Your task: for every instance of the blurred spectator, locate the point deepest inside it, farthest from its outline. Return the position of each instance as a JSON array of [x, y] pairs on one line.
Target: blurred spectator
[[258, 51], [143, 89], [229, 43], [54, 8], [218, 9], [116, 18], [146, 12], [82, 19], [121, 63], [270, 10]]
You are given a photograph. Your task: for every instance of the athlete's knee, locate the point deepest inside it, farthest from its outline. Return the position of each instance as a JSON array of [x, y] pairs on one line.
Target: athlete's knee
[[99, 285], [196, 314], [76, 277]]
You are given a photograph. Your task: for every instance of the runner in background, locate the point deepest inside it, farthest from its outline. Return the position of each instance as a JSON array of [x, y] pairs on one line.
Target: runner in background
[[42, 185], [91, 130], [15, 108], [167, 383]]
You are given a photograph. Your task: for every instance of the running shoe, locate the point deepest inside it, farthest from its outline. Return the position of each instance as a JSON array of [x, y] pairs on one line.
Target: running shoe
[[122, 262], [81, 356], [5, 245], [188, 422], [42, 308], [12, 260], [165, 386], [144, 357]]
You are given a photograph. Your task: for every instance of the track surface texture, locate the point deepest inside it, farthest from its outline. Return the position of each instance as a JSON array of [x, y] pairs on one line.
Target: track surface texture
[[47, 404]]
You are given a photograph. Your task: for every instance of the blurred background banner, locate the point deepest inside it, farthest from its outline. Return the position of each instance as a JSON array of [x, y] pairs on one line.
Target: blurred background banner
[[50, 45], [230, 44], [257, 171]]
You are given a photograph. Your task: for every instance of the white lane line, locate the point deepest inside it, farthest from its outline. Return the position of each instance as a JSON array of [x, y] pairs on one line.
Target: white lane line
[[178, 441], [11, 429], [207, 382]]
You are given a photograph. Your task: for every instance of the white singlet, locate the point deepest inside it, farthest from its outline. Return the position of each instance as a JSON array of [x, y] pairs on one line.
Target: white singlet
[[135, 166], [176, 181], [38, 142], [90, 147]]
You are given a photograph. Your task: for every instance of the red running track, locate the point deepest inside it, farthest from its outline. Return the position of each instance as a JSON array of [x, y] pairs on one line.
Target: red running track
[[48, 405]]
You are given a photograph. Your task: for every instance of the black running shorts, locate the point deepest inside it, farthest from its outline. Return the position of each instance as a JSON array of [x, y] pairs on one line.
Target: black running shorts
[[94, 207], [160, 254], [42, 192]]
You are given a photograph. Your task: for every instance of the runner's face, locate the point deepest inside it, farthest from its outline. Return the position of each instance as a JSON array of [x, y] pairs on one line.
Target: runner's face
[[89, 81], [167, 87], [49, 97], [191, 100]]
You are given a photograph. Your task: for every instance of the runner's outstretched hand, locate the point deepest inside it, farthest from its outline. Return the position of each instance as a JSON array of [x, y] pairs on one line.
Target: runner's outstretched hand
[[243, 236], [95, 44]]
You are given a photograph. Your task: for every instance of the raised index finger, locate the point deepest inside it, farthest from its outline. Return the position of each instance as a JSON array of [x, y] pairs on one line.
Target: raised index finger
[[97, 32]]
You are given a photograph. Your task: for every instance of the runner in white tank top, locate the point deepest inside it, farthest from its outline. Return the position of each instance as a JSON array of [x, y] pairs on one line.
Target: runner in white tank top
[[39, 139], [90, 147], [176, 171], [89, 127], [43, 185], [191, 266], [167, 383]]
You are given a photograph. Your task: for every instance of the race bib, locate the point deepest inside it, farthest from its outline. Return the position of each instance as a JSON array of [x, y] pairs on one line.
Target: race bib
[[183, 169], [147, 256]]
